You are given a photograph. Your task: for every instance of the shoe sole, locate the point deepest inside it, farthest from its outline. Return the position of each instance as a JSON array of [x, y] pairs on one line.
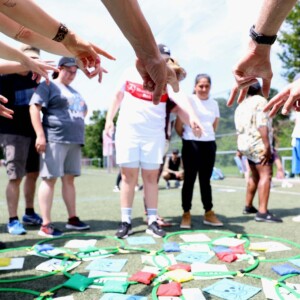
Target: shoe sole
[[125, 236], [266, 221], [21, 233], [42, 233], [185, 226], [68, 226], [212, 224], [148, 231]]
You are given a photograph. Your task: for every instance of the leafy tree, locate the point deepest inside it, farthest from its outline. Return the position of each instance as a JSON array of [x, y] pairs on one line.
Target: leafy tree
[[289, 39], [93, 135]]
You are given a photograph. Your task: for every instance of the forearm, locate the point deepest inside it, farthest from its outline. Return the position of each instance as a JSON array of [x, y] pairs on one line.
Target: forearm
[[131, 21], [29, 14], [272, 15], [263, 130], [11, 67], [36, 120], [10, 53]]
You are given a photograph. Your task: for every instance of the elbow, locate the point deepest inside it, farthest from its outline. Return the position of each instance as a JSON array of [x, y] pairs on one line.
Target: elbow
[[24, 35]]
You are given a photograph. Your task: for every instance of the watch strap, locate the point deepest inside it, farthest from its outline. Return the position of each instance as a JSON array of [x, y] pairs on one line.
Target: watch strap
[[260, 38]]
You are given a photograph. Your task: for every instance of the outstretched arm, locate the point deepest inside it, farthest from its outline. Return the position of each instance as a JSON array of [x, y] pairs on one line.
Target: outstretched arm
[[29, 14], [150, 64], [256, 63]]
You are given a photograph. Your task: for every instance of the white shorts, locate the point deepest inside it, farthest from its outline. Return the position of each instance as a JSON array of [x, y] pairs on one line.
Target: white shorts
[[148, 150]]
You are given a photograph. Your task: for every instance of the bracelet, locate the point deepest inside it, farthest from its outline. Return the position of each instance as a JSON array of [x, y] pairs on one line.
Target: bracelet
[[61, 33]]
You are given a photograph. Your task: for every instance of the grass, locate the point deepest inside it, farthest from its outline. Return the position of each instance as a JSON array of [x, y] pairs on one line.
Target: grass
[[99, 206]]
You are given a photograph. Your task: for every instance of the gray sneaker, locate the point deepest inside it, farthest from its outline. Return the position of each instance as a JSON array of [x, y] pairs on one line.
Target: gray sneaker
[[267, 217], [124, 230], [155, 230]]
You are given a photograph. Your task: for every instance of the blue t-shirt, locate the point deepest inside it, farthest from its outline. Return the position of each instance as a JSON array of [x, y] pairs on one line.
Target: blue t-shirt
[[63, 111]]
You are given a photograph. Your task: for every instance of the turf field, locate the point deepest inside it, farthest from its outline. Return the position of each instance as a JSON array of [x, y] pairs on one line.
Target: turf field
[[99, 207]]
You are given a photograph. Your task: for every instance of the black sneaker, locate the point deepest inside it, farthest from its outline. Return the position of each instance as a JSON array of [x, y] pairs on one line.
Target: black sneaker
[[124, 230], [267, 217], [76, 224], [155, 230], [2, 245], [249, 210]]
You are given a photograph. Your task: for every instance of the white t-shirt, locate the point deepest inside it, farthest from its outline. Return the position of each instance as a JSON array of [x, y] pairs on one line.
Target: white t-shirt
[[296, 130], [207, 111]]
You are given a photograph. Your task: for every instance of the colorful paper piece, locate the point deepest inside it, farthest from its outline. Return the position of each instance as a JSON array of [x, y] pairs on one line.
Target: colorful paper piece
[[229, 242], [115, 296], [285, 269], [197, 237], [295, 262], [140, 240], [231, 290], [270, 292], [107, 265], [269, 246], [80, 243], [211, 269], [191, 257], [193, 294], [55, 264], [195, 248], [15, 263], [121, 276], [5, 261], [171, 247], [51, 252], [160, 261]]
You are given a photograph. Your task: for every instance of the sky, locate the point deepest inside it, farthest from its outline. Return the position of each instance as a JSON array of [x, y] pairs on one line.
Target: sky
[[204, 36]]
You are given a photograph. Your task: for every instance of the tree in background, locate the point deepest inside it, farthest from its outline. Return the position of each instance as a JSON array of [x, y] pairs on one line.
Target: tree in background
[[289, 39], [93, 136]]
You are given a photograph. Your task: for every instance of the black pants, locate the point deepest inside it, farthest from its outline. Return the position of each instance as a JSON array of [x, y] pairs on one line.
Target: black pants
[[198, 158]]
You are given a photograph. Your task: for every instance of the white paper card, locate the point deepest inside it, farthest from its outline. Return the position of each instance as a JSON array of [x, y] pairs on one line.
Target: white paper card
[[80, 243], [228, 242], [195, 248], [193, 294], [15, 263], [203, 267], [197, 237], [269, 246], [121, 276], [158, 261], [57, 264]]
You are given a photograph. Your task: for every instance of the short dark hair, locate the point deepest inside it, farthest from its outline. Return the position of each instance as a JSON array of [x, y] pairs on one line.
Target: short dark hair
[[254, 89]]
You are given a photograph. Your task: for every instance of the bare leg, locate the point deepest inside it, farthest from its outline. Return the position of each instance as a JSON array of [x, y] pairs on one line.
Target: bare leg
[[150, 187], [45, 195], [12, 196], [129, 180], [29, 188], [252, 184], [264, 185], [69, 194]]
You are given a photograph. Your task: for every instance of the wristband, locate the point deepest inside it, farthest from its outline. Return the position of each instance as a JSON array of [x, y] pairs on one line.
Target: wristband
[[61, 33], [260, 38]]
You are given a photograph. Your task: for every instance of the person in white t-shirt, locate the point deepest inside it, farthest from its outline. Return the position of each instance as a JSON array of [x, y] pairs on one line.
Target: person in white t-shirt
[[140, 143], [199, 153]]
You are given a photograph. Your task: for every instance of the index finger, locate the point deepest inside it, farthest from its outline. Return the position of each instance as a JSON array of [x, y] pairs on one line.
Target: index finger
[[103, 53], [157, 93], [266, 85]]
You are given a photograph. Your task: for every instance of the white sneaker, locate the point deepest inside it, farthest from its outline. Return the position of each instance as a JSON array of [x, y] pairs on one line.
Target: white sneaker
[[296, 219]]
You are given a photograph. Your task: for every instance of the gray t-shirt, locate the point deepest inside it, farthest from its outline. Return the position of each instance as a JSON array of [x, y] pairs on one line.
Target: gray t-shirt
[[63, 111]]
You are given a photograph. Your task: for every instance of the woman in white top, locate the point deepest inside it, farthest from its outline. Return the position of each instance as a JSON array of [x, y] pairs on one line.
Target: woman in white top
[[199, 153]]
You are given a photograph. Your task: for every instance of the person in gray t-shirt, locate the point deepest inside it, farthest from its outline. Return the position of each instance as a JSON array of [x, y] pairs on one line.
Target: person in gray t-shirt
[[60, 135]]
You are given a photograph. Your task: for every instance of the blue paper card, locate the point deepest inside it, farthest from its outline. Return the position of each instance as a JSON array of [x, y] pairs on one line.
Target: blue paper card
[[221, 249], [191, 257], [230, 290], [171, 247], [114, 296], [106, 265], [285, 269], [140, 240], [295, 262]]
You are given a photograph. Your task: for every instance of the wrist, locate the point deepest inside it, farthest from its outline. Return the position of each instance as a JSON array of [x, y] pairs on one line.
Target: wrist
[[61, 34], [260, 38]]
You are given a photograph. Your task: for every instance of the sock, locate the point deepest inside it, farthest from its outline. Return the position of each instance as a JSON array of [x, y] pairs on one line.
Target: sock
[[126, 214], [13, 219], [29, 211], [151, 213]]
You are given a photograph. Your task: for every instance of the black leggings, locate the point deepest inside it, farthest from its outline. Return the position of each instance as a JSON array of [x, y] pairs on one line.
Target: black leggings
[[198, 158]]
